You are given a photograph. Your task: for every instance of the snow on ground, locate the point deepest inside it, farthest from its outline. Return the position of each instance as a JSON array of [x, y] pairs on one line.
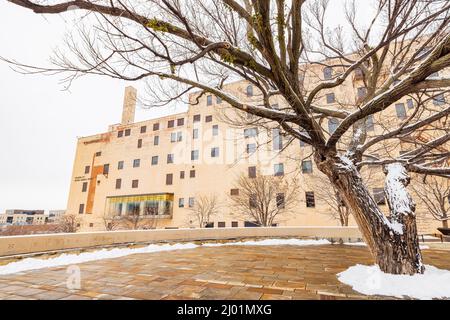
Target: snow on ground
[[370, 280], [70, 259]]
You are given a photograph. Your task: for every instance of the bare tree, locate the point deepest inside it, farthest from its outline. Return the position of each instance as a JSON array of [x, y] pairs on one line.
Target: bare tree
[[111, 223], [288, 50], [205, 207], [265, 198], [137, 221], [327, 193], [69, 223], [434, 194]]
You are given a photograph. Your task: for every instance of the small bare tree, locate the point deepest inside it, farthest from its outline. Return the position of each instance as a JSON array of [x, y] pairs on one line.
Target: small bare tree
[[264, 198], [69, 223], [434, 194], [205, 207], [111, 223]]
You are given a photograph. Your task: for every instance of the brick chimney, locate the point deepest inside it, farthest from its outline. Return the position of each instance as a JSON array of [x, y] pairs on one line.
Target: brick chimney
[[129, 105]]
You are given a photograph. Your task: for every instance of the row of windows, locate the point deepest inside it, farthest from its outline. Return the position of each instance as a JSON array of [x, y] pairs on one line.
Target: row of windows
[[278, 168], [170, 124], [209, 98]]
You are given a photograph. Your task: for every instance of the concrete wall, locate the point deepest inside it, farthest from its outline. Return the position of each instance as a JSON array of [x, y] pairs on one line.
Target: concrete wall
[[15, 245]]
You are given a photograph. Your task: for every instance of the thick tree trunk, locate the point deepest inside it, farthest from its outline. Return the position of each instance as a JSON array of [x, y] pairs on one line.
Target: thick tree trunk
[[393, 243]]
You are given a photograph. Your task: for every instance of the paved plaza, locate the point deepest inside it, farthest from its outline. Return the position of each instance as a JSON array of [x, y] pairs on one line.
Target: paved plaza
[[228, 272]]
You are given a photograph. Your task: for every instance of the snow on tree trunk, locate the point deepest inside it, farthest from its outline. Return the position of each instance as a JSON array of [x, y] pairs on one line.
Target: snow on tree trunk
[[394, 244]]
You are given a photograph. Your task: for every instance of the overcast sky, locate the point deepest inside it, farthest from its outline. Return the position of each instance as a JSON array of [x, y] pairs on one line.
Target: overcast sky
[[39, 121]]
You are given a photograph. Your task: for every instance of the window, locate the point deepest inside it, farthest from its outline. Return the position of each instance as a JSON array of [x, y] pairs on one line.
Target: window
[[209, 100], [369, 123], [209, 225], [143, 129], [154, 160], [439, 100], [120, 134], [277, 139], [127, 132], [218, 100], [195, 134], [120, 165], [234, 192], [87, 169], [180, 122], [191, 202], [118, 183], [81, 208], [310, 200], [170, 123], [194, 155], [181, 174], [410, 103], [181, 203], [192, 174], [169, 179], [91, 225], [330, 98], [250, 132], [208, 118], [251, 148], [307, 166], [136, 163], [173, 137], [214, 152], [170, 157], [98, 153], [215, 130], [197, 118], [378, 195], [234, 224], [84, 187], [252, 172], [134, 184], [333, 123], [139, 144], [280, 200], [105, 168], [327, 73], [179, 136], [278, 169], [249, 91], [221, 224], [362, 92], [155, 126], [156, 140], [358, 73], [401, 111], [252, 201]]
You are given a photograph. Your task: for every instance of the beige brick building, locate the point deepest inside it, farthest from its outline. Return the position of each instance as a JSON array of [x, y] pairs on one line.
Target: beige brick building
[[159, 166]]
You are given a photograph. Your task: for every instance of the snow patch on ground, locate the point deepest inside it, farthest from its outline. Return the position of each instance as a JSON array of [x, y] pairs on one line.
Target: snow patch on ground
[[370, 280], [70, 259]]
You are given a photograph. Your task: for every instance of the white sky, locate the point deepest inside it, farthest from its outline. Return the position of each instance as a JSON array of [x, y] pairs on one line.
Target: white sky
[[39, 122]]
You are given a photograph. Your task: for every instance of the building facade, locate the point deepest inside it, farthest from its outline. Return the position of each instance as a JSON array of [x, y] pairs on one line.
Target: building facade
[[157, 168], [23, 217]]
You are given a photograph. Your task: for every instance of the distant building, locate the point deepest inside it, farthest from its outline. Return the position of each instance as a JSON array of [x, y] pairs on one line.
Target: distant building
[[23, 217], [54, 216]]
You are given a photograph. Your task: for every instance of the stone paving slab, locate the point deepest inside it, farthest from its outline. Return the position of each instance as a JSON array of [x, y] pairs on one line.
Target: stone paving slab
[[215, 273]]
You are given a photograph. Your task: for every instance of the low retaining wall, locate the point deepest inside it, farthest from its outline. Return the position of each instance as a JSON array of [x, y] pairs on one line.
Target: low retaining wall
[[16, 245]]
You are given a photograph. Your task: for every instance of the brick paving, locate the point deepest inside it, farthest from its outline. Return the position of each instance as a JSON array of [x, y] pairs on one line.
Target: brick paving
[[214, 273]]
